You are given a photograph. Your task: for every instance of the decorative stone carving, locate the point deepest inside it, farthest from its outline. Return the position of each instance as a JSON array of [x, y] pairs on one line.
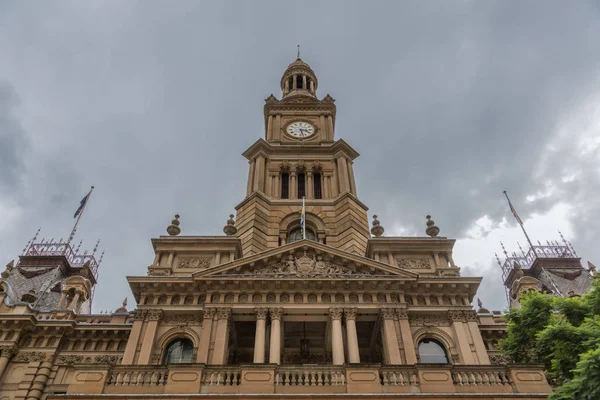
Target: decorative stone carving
[[350, 313], [454, 315], [387, 313], [276, 313], [8, 351], [223, 313], [402, 313], [182, 319], [428, 320], [305, 266], [69, 359], [470, 316], [154, 315], [209, 313], [498, 359], [194, 262], [106, 359], [261, 313], [336, 313], [29, 356], [414, 263]]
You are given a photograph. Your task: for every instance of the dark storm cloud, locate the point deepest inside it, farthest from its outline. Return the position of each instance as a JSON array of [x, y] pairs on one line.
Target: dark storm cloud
[[449, 103]]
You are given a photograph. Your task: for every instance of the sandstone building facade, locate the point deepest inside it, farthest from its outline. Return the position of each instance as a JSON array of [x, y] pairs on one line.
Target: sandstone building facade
[[262, 311]]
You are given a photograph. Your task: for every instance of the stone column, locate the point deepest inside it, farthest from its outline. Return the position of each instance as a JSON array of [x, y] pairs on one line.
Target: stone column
[[269, 125], [450, 259], [351, 178], [304, 82], [275, 342], [457, 318], [334, 185], [295, 79], [330, 127], [293, 188], [207, 323], [6, 353], [221, 337], [277, 128], [148, 342], [353, 351], [472, 325], [63, 298], [75, 300], [309, 185], [326, 183], [41, 378], [134, 337], [343, 174], [407, 340], [322, 126], [250, 177], [390, 339], [259, 174], [337, 339], [259, 338], [156, 258]]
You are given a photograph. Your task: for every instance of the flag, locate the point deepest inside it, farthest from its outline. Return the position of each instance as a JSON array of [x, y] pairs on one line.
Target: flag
[[82, 204], [512, 210], [303, 220]]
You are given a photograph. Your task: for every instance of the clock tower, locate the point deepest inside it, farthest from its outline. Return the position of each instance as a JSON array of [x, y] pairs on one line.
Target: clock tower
[[299, 157]]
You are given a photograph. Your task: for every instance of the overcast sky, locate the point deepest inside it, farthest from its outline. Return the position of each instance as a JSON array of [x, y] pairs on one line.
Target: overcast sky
[[448, 102]]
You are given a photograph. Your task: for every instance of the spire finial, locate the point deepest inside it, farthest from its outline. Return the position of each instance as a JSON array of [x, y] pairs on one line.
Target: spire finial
[[230, 228], [174, 228], [298, 46], [432, 230], [377, 230]]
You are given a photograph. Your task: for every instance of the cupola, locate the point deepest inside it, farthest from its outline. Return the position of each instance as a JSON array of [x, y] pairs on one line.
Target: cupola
[[299, 79]]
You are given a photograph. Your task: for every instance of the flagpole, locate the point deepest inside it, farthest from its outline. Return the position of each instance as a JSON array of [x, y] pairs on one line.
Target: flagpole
[[79, 216], [521, 225], [303, 220]]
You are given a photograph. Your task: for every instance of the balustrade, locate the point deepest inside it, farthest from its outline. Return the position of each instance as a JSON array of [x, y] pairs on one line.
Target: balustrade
[[221, 376], [398, 376], [310, 376], [483, 375], [137, 377]]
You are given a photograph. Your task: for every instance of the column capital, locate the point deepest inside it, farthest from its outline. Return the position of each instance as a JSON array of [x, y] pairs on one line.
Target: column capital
[[402, 313], [336, 313], [223, 313], [140, 315], [209, 313], [455, 316], [8, 351], [350, 313], [261, 313], [276, 313], [387, 313], [471, 316], [154, 315]]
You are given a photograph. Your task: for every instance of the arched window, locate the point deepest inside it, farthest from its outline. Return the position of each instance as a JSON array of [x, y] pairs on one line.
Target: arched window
[[296, 234], [179, 351], [301, 176], [317, 185], [285, 184], [432, 352]]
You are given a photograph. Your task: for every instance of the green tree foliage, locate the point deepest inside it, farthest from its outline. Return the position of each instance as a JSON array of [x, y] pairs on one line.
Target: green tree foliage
[[564, 335]]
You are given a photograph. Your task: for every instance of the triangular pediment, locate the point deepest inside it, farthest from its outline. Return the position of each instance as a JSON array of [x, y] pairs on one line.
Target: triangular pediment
[[306, 259]]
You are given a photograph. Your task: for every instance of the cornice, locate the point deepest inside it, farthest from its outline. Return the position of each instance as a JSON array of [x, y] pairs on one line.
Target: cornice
[[331, 148], [384, 243]]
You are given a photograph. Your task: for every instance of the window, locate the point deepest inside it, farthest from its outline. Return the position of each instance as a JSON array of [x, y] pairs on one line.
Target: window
[[291, 83], [298, 81], [301, 185], [296, 234], [179, 351], [308, 80], [432, 352], [285, 185], [317, 185]]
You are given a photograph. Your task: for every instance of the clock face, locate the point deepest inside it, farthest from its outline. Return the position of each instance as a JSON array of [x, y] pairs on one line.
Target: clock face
[[300, 129]]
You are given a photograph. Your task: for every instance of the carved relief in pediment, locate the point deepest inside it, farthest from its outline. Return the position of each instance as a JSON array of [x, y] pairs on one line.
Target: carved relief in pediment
[[306, 266]]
